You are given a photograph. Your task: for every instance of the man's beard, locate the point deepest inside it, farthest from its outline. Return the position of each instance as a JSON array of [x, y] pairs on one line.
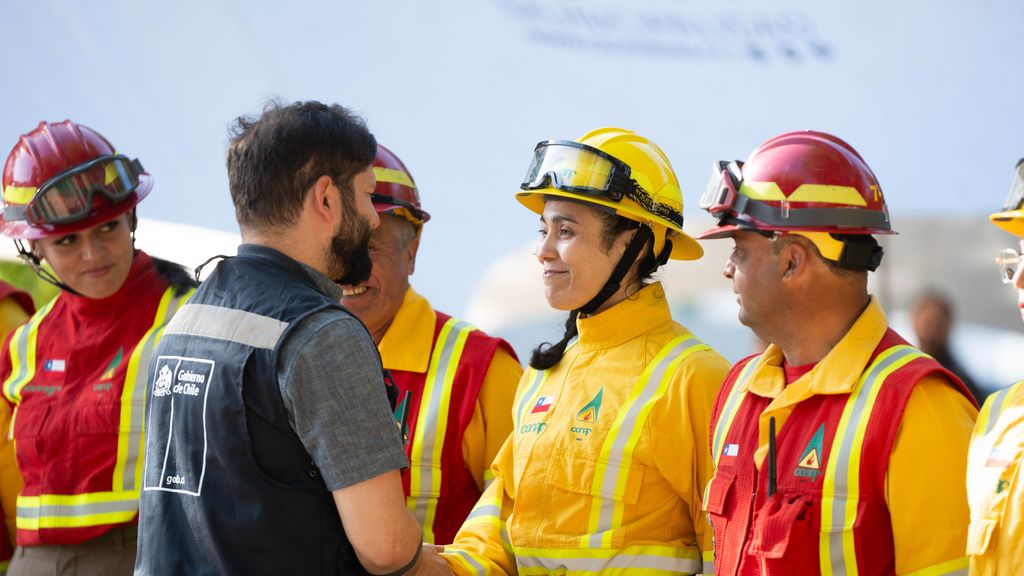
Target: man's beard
[[348, 261]]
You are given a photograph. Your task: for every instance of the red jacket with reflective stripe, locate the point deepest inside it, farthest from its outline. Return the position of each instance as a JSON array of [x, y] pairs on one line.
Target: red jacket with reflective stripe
[[458, 490], [756, 535], [77, 428]]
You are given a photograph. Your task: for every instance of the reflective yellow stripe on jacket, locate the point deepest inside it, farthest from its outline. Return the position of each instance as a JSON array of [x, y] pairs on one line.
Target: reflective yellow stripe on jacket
[[23, 358], [617, 450], [431, 424], [95, 508]]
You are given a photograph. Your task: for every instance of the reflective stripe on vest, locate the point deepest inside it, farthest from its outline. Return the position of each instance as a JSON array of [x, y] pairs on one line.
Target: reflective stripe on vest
[[732, 407], [994, 407], [708, 557], [95, 508], [617, 451], [432, 423], [76, 510], [841, 488], [128, 466], [629, 560], [23, 357]]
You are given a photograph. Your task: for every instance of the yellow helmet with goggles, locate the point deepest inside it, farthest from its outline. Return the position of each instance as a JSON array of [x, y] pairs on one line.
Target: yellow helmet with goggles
[[618, 169]]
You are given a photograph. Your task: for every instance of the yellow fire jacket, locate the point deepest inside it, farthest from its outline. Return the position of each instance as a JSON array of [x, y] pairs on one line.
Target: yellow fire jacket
[[609, 457], [995, 489]]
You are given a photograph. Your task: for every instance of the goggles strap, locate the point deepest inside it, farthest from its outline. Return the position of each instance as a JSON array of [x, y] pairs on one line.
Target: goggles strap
[[643, 234], [33, 262], [860, 254]]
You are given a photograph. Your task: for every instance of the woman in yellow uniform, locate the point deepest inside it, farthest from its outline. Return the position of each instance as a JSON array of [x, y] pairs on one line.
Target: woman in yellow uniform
[[605, 468], [995, 488]]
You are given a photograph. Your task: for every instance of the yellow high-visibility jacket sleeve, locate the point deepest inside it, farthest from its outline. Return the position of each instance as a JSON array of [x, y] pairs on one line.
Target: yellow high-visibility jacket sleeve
[[492, 416], [679, 428], [12, 315], [481, 545], [926, 483]]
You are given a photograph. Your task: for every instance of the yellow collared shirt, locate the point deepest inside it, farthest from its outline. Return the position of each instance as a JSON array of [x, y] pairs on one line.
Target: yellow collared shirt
[[925, 490], [995, 488], [407, 346]]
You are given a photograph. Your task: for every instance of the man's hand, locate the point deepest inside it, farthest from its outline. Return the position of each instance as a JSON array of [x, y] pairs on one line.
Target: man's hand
[[431, 563]]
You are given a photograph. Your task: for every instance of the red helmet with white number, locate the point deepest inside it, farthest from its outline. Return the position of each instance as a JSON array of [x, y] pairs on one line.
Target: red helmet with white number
[[808, 183], [396, 190], [64, 177]]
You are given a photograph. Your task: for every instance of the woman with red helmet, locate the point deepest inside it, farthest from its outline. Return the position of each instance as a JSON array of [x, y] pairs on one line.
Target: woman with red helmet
[[75, 373]]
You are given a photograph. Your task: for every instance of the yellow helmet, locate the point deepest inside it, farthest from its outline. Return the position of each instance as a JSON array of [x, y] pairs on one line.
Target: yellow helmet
[[618, 169], [1011, 218]]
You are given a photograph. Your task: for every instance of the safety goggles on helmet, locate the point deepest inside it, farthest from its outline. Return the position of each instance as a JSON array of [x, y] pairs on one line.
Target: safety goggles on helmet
[[723, 198], [575, 167], [1008, 261], [68, 196], [385, 200]]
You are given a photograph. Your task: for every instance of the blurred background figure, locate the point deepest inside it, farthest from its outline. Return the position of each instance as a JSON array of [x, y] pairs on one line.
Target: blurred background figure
[[931, 316]]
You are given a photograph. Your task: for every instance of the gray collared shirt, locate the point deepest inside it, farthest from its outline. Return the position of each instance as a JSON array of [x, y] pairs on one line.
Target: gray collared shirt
[[332, 385]]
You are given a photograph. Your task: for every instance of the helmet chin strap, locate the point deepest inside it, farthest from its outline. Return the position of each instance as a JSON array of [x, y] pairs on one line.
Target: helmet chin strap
[[640, 239], [33, 262]]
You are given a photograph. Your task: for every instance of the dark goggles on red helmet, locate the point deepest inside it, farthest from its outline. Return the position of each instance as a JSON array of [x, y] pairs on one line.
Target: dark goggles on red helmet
[[384, 199], [1015, 199], [575, 167], [723, 199], [68, 196]]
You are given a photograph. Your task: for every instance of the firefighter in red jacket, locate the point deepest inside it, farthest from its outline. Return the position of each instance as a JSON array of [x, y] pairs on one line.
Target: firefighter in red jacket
[[75, 373], [456, 383], [841, 449]]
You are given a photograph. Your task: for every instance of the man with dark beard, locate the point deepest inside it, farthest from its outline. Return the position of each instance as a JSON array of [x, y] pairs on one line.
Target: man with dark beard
[[271, 446]]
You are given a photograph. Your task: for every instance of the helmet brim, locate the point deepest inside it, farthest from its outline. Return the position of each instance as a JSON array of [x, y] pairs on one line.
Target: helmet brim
[[1010, 220], [684, 247]]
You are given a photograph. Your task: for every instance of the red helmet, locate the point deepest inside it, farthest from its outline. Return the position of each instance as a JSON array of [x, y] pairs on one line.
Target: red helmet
[[799, 181], [64, 177], [396, 190], [807, 183]]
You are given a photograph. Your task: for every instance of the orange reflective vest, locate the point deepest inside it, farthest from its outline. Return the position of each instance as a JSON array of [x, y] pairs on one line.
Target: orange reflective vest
[[829, 514], [75, 374], [441, 490]]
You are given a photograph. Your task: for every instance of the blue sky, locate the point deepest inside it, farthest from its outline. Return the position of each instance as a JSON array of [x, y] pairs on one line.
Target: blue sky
[[930, 93]]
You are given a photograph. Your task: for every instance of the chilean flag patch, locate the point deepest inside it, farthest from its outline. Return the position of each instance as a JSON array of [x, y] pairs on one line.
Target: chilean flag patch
[[732, 450], [543, 404], [53, 366]]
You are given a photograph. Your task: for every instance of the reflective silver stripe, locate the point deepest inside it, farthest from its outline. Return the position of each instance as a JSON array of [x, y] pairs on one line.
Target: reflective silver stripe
[[960, 572], [620, 561], [531, 390], [71, 510], [19, 348], [478, 568], [228, 324], [876, 374], [432, 421], [998, 403], [709, 568], [137, 403], [528, 394], [482, 511], [617, 454], [731, 405]]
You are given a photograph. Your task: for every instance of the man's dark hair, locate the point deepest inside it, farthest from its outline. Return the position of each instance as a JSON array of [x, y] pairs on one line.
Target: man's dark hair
[[273, 159]]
